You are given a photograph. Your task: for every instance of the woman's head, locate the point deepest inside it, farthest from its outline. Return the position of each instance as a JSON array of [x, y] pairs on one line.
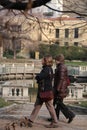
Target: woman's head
[[47, 60], [60, 58]]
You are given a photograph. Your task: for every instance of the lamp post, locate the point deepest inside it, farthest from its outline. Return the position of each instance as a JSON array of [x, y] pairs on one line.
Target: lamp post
[[1, 47], [14, 46]]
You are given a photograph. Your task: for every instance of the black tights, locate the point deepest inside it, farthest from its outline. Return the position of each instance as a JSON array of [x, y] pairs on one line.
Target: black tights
[[60, 106]]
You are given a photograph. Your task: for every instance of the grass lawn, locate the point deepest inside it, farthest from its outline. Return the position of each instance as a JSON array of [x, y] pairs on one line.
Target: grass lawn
[[3, 103], [83, 104], [76, 63]]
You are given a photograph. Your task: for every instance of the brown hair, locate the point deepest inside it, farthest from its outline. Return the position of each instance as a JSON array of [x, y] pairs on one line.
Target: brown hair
[[60, 58], [48, 60]]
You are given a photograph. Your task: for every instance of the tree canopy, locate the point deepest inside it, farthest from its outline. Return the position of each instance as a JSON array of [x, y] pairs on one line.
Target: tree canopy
[[77, 7], [22, 5]]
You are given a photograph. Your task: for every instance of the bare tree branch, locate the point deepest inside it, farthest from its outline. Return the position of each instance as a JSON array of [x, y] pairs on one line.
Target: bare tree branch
[[68, 11]]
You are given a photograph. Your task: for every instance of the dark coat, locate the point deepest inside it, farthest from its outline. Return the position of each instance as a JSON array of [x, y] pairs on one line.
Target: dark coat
[[60, 80], [44, 79]]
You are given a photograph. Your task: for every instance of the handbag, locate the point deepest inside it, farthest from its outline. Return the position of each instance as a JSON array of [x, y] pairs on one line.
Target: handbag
[[46, 95]]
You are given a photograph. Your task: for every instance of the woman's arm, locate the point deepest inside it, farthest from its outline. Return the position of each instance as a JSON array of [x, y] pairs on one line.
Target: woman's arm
[[43, 74]]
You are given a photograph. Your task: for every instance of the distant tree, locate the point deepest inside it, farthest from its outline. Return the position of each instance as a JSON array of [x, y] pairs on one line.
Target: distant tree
[[43, 50], [71, 53]]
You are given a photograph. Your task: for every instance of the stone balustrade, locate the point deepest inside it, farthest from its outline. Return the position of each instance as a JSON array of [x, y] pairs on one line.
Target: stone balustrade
[[21, 90], [22, 71]]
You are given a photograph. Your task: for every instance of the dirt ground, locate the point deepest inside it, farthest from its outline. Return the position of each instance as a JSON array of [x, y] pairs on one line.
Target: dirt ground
[[79, 123]]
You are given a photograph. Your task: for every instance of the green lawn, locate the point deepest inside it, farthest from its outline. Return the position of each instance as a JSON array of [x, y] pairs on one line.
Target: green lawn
[[83, 104], [3, 103], [76, 63], [78, 104]]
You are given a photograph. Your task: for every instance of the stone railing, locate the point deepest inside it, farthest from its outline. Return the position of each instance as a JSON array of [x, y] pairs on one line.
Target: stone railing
[[76, 91]]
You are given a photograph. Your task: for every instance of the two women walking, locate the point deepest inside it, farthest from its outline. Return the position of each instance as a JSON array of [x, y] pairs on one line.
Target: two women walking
[[44, 80]]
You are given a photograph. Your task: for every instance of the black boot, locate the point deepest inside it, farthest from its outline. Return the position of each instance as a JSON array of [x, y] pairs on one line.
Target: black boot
[[71, 119], [50, 119]]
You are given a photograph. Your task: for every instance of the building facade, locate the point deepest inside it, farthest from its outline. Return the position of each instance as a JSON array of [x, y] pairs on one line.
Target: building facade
[[65, 31], [25, 33]]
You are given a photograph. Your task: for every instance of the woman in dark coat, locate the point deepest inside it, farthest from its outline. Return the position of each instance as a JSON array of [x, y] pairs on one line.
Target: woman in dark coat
[[60, 88], [44, 80]]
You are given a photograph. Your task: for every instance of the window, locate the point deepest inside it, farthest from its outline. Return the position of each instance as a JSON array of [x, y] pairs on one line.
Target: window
[[66, 33], [66, 43], [57, 43], [75, 43], [49, 30], [76, 33], [57, 33], [15, 28], [83, 68]]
